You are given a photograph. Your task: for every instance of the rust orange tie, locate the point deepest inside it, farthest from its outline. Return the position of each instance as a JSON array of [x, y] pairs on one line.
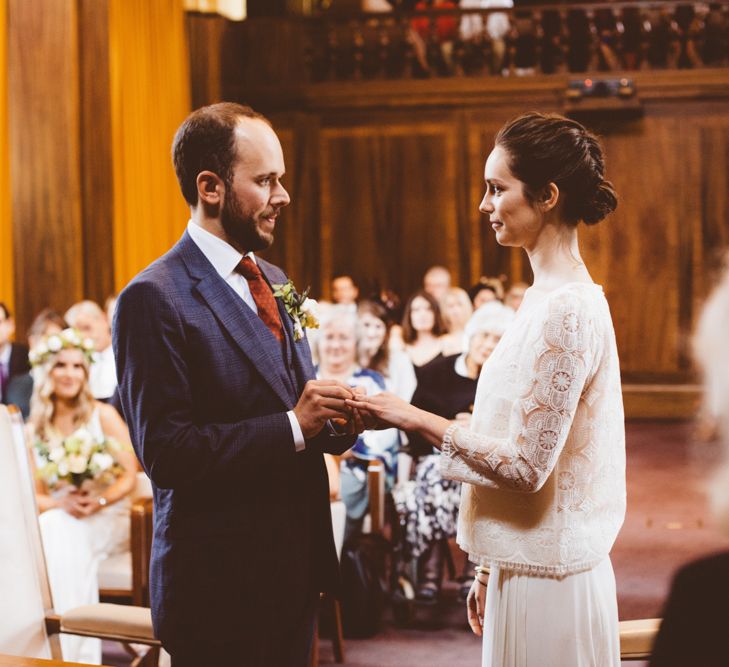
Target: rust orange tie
[[262, 295]]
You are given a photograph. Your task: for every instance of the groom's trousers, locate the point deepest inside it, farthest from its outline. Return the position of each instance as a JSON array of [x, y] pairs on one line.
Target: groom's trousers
[[287, 644]]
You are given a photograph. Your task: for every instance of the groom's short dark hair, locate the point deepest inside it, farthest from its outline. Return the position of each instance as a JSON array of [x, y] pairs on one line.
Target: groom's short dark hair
[[206, 142]]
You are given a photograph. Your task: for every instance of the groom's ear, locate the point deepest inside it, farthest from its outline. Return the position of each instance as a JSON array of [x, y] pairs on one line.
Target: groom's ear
[[210, 188]]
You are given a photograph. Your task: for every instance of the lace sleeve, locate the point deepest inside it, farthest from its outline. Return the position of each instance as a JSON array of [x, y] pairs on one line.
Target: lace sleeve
[[525, 458]]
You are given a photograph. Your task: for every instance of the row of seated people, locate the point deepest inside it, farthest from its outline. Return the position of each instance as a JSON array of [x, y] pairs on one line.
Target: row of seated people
[[85, 521], [72, 430]]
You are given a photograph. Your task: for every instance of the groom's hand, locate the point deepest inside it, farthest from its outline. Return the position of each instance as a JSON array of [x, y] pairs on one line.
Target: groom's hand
[[320, 401]]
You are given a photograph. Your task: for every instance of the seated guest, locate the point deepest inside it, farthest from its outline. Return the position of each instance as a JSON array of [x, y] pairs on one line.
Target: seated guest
[[696, 614], [344, 291], [20, 387], [428, 506], [515, 295], [91, 321], [374, 350], [85, 472], [338, 361], [485, 290], [456, 309], [436, 281], [422, 327], [13, 356]]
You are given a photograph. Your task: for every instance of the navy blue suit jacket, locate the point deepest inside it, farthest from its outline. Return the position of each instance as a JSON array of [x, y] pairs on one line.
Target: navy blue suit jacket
[[205, 386]]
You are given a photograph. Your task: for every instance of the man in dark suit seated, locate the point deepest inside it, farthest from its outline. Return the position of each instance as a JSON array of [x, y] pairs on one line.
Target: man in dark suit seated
[[216, 383], [13, 356]]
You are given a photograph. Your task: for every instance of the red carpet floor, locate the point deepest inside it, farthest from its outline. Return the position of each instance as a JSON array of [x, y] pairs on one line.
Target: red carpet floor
[[667, 524]]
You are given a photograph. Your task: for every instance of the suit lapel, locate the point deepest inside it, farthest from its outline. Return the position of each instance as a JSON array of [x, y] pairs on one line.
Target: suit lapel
[[248, 331], [298, 351]]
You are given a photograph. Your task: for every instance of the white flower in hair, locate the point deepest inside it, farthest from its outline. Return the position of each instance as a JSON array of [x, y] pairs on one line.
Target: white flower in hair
[[54, 344]]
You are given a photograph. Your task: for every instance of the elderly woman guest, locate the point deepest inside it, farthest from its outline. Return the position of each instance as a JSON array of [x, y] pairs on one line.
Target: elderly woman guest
[[429, 503], [544, 456], [456, 309], [79, 526], [337, 343]]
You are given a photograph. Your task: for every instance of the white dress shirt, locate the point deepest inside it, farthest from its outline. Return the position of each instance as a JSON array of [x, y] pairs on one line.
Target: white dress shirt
[[225, 258], [5, 352], [102, 376]]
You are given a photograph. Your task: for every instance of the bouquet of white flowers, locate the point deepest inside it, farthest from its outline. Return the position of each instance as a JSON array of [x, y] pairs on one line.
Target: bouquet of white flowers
[[76, 458]]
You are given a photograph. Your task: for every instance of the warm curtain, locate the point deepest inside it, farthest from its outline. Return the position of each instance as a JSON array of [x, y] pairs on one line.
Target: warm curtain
[[235, 10], [150, 96], [6, 227]]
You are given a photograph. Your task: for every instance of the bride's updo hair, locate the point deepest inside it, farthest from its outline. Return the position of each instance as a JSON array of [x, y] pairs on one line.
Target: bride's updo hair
[[549, 148]]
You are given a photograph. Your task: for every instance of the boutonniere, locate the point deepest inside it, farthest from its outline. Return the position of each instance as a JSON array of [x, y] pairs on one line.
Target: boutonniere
[[301, 309]]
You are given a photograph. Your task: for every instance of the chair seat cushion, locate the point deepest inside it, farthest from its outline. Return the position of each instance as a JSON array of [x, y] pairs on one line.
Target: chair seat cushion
[[115, 572], [104, 619], [637, 637]]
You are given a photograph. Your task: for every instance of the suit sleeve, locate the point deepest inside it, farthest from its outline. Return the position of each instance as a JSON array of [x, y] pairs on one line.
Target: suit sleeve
[[149, 345]]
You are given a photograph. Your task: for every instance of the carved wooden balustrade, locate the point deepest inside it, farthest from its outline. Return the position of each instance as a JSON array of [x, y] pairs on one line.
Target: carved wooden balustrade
[[544, 39]]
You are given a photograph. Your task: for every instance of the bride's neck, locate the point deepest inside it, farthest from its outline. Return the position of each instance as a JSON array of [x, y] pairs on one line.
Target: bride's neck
[[555, 257]]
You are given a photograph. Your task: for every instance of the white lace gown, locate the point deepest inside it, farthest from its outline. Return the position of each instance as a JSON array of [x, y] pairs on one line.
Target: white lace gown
[[74, 548], [543, 466]]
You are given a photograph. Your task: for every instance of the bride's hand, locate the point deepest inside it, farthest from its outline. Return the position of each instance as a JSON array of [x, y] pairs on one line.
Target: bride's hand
[[385, 410], [475, 604]]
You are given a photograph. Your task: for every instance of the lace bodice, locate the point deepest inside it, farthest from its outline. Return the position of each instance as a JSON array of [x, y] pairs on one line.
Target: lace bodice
[[544, 460]]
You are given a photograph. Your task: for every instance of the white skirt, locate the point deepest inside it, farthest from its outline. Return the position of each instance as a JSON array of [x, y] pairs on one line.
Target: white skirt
[[571, 621]]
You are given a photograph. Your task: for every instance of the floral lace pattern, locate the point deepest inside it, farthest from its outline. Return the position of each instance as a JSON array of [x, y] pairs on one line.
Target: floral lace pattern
[[548, 425]]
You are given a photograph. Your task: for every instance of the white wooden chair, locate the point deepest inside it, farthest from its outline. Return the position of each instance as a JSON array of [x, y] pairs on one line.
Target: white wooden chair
[[29, 625]]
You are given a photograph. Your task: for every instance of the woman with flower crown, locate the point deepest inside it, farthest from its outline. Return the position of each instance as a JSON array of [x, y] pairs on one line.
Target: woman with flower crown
[[86, 470]]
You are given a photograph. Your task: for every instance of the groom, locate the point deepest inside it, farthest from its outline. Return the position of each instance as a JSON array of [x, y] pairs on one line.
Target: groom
[[225, 416]]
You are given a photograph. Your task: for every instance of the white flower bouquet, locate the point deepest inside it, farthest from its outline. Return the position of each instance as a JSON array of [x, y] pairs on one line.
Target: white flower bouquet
[[76, 458]]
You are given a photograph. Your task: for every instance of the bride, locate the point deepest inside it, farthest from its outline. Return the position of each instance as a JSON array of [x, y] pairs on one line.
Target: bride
[[544, 456], [79, 527]]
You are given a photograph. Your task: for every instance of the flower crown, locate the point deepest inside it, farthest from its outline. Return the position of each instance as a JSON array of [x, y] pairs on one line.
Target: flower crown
[[67, 339]]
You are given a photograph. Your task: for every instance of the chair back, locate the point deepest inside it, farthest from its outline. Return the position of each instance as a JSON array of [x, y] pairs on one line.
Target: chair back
[[26, 594]]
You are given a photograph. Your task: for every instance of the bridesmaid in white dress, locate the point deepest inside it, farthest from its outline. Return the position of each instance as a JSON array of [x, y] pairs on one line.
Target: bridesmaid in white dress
[[78, 528], [543, 460]]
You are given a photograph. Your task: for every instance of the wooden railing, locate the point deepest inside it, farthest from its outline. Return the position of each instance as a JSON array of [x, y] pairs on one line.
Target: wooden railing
[[547, 39]]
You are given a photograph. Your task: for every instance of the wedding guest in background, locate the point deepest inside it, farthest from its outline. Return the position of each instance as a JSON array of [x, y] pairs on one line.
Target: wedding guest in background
[[429, 503], [696, 614], [515, 295], [456, 309], [80, 526], [20, 387], [337, 345], [13, 356], [344, 291], [374, 350], [436, 281], [422, 327], [91, 321], [110, 307], [486, 290]]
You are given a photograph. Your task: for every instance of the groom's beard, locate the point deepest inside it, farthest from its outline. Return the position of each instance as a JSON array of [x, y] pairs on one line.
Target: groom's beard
[[243, 230]]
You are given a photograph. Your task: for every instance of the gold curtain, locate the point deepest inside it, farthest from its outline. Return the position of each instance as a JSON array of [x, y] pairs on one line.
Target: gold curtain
[[235, 10], [150, 97], [6, 222]]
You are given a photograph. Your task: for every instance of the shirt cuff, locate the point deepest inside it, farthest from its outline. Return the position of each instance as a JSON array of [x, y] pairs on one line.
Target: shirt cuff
[[299, 441]]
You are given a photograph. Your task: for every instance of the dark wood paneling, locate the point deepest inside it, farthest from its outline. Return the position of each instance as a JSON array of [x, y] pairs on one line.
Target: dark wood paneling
[[96, 151], [388, 209], [205, 34], [43, 84]]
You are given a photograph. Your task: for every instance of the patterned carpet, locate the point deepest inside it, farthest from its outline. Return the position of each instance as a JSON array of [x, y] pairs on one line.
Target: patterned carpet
[[667, 524]]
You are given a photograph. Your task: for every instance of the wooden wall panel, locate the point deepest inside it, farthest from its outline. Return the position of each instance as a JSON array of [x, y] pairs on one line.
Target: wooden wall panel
[[388, 205], [45, 150], [95, 154]]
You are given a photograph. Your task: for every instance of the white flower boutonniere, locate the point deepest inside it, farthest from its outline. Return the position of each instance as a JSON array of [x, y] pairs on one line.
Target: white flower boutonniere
[[301, 309]]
